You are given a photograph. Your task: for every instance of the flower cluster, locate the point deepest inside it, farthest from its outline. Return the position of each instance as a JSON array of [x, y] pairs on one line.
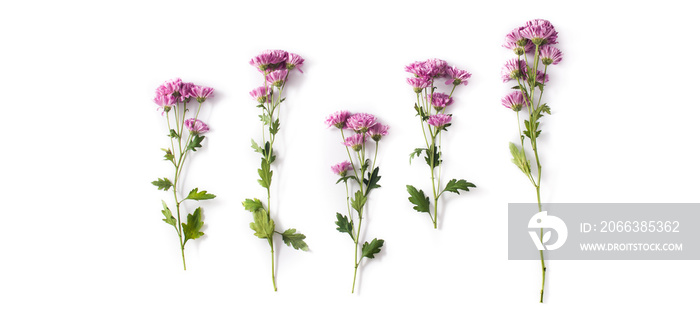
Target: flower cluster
[[363, 127], [186, 136], [533, 44], [275, 66], [431, 108]]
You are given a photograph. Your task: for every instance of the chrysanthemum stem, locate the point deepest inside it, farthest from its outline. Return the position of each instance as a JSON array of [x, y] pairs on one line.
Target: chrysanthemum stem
[[272, 257]]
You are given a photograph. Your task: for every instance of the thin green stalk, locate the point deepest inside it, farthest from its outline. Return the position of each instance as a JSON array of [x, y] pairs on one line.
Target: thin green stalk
[[359, 226], [272, 254]]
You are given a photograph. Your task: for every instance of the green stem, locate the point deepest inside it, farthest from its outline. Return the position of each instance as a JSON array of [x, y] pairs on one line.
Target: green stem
[[272, 254], [359, 225]]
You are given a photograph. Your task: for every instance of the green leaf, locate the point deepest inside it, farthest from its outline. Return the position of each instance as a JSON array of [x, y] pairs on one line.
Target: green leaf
[[374, 247], [195, 194], [419, 199], [432, 158], [267, 151], [195, 143], [416, 153], [255, 146], [358, 201], [265, 119], [162, 184], [192, 229], [420, 112], [168, 215], [168, 155], [520, 159], [263, 226], [265, 174], [295, 239], [275, 126], [344, 225], [173, 134], [371, 180], [455, 185], [252, 205], [346, 178]]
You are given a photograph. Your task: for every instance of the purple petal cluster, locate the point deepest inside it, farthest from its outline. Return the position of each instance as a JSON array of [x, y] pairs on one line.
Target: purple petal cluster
[[456, 76], [294, 61], [338, 119], [431, 68], [341, 168], [517, 42], [540, 32], [277, 78], [261, 94], [550, 55], [361, 122], [201, 93], [270, 60], [440, 101], [355, 141], [513, 70], [173, 91], [418, 83], [377, 131], [196, 126], [515, 101], [439, 120]]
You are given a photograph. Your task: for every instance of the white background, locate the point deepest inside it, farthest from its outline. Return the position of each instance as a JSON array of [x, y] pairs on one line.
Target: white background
[[81, 224]]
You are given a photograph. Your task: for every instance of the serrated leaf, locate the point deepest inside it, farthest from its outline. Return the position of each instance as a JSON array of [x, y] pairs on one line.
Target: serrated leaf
[[195, 194], [263, 226], [173, 134], [265, 119], [195, 143], [162, 184], [168, 155], [420, 201], [275, 126], [295, 239], [346, 178], [344, 225], [192, 229], [520, 159], [455, 185], [265, 174], [358, 201], [372, 248], [371, 180], [168, 215], [255, 146], [252, 205], [416, 153], [432, 158]]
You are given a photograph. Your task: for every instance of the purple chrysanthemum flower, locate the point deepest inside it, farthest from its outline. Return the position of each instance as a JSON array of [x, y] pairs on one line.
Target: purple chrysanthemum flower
[[439, 120], [429, 69], [377, 131], [540, 32], [341, 168], [550, 55], [513, 69], [514, 101], [164, 102], [440, 101], [516, 42], [456, 76], [294, 60], [355, 141], [171, 87], [338, 119], [277, 78], [196, 126], [261, 94], [186, 92], [418, 83], [269, 59], [201, 93], [361, 122]]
